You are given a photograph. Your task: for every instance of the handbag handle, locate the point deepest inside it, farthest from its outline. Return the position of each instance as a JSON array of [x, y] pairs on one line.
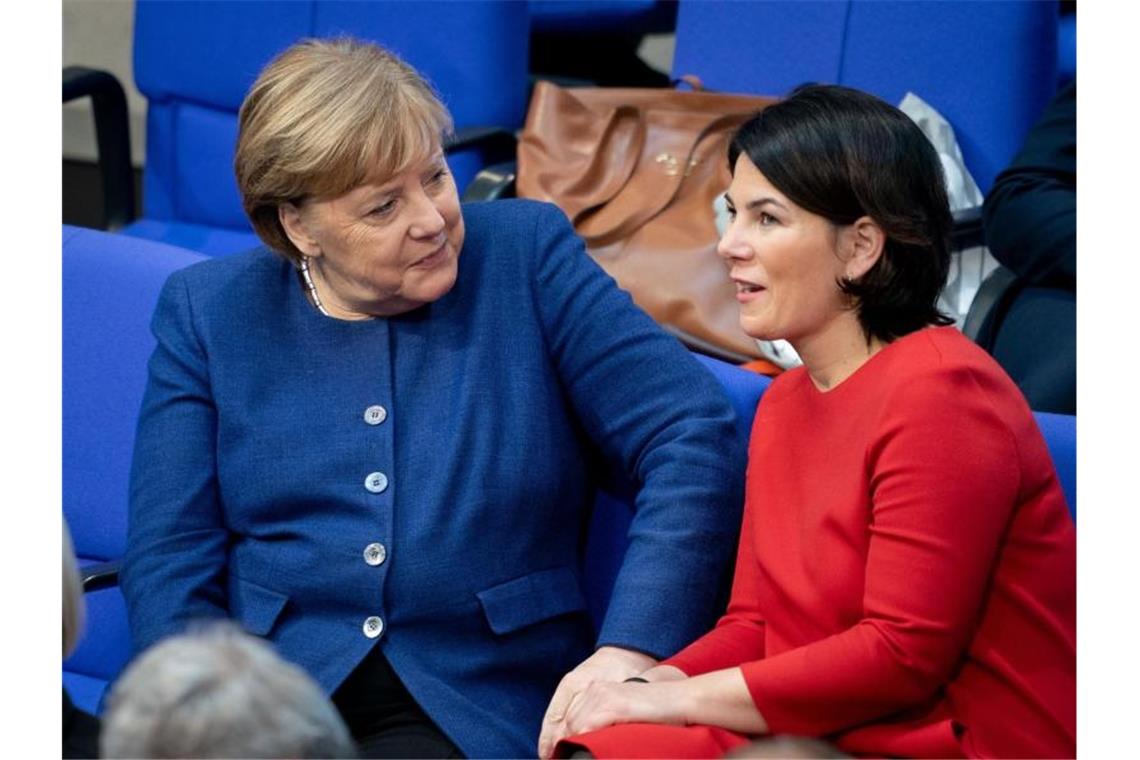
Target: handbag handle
[[619, 179], [643, 212]]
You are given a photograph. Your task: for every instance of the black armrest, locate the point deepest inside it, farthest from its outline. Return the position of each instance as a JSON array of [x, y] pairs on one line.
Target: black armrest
[[968, 229], [495, 143], [989, 306], [493, 182], [99, 575], [112, 134]]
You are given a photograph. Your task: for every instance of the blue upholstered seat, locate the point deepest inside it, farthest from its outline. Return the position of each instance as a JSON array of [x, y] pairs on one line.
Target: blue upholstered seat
[[110, 286], [194, 62], [988, 67], [1060, 432]]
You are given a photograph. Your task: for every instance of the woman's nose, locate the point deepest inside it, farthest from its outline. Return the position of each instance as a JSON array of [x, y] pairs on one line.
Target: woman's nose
[[428, 221], [732, 246]]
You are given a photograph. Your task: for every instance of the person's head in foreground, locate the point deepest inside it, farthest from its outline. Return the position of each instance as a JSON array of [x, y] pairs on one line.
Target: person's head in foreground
[[219, 692], [840, 222], [341, 170]]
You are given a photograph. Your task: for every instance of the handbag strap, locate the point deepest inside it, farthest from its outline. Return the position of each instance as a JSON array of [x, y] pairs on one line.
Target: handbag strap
[[666, 191], [595, 168]]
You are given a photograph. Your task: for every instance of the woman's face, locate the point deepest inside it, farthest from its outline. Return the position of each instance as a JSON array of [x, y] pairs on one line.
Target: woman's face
[[383, 249], [784, 261]]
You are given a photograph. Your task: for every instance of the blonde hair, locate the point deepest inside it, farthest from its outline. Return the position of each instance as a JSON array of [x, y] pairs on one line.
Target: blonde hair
[[73, 606], [324, 117]]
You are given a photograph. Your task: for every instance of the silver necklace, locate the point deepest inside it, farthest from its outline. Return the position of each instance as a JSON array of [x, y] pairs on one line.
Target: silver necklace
[[303, 268]]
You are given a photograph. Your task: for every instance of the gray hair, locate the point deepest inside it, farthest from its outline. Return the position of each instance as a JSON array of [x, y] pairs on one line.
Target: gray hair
[[218, 692]]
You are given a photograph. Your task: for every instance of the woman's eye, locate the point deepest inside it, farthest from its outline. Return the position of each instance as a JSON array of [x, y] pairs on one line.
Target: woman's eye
[[438, 176], [383, 209], [731, 211], [766, 219]]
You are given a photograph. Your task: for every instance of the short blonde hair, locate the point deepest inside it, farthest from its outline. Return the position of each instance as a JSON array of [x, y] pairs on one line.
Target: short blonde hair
[[73, 606], [324, 117]]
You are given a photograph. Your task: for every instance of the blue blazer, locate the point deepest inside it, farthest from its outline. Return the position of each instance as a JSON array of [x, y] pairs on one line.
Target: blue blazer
[[268, 486]]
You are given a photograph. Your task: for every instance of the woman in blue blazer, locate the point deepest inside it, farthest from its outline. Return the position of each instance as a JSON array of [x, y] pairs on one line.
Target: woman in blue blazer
[[375, 441]]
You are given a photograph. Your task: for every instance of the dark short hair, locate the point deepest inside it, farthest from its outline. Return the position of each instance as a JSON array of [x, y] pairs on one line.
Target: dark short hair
[[842, 154]]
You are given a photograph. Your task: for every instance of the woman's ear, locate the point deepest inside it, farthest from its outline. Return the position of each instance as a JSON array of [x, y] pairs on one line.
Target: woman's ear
[[297, 229], [866, 242]]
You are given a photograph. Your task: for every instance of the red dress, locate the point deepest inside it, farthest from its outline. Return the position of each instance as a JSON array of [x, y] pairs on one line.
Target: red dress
[[906, 581]]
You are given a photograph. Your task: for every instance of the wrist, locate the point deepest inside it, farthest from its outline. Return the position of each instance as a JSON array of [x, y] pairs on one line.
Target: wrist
[[664, 673], [682, 700], [635, 660]]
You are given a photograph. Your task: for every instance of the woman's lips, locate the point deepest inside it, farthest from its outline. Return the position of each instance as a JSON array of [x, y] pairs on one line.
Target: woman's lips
[[747, 292], [433, 259]]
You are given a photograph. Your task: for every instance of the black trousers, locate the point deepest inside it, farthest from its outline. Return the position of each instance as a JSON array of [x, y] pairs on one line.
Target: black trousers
[[384, 719]]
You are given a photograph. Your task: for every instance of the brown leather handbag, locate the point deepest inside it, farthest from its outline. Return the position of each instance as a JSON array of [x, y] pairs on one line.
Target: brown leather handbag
[[637, 171]]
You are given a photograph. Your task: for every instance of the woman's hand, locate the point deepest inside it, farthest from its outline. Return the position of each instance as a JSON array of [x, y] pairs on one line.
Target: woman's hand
[[604, 704], [607, 664]]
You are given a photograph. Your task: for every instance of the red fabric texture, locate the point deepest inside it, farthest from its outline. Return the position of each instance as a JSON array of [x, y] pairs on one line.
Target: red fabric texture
[[906, 578]]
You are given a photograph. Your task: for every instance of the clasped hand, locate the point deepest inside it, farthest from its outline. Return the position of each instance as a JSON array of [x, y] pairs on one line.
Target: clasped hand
[[593, 696]]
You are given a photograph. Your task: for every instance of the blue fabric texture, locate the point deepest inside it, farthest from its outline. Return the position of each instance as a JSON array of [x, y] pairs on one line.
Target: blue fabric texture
[[196, 61], [507, 400], [943, 51]]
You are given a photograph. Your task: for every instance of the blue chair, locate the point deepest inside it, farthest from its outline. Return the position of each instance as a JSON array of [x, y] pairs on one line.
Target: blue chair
[[1060, 433], [988, 67], [110, 286], [610, 30], [194, 62], [608, 536], [1066, 49], [630, 16]]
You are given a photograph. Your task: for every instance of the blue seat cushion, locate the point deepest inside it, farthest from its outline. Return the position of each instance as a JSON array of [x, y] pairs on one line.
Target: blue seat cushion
[[212, 241], [85, 692], [104, 649]]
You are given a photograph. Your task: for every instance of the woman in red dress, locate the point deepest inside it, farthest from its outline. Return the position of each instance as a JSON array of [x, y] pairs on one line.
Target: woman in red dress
[[906, 577]]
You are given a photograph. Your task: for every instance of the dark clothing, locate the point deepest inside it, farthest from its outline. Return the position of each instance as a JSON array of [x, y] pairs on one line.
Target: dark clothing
[[384, 719], [1031, 211], [1031, 228], [80, 731]]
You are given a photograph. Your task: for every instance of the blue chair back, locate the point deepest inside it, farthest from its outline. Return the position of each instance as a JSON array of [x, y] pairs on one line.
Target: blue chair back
[[608, 536], [584, 16], [110, 286], [195, 61], [1060, 433], [988, 67]]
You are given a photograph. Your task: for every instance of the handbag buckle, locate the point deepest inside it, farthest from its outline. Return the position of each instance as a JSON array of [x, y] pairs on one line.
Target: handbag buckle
[[672, 165]]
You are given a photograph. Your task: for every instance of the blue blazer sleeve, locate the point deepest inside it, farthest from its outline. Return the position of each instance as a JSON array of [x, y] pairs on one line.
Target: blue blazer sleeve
[[174, 567], [665, 422]]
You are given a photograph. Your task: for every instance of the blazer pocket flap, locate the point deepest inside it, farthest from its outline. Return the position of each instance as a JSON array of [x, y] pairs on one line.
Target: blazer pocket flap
[[255, 607], [531, 599]]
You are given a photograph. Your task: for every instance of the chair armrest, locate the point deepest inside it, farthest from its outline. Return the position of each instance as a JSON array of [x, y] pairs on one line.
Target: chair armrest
[[496, 144], [112, 135], [99, 575], [989, 306], [493, 182], [968, 232]]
